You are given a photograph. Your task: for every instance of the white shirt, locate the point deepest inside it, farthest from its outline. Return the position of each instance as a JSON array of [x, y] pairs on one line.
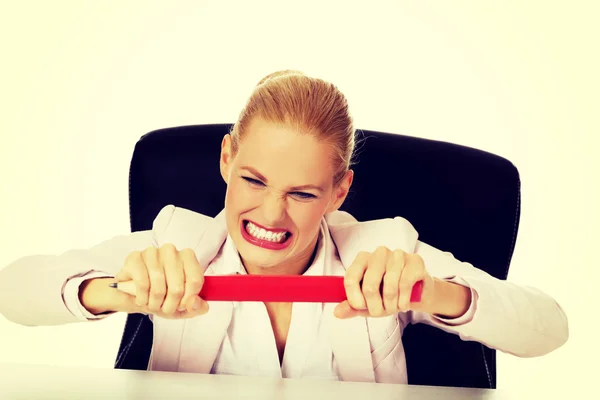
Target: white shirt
[[249, 346]]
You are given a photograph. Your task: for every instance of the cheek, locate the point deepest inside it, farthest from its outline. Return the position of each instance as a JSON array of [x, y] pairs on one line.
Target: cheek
[[239, 195], [308, 217], [230, 195]]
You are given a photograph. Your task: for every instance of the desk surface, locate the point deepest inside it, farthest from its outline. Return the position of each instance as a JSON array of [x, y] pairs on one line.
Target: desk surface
[[21, 381]]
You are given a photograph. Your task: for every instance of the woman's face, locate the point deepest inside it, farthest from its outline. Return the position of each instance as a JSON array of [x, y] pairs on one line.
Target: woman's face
[[279, 186]]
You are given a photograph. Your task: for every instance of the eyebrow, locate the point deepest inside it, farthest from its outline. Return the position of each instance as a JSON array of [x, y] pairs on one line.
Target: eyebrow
[[301, 187]]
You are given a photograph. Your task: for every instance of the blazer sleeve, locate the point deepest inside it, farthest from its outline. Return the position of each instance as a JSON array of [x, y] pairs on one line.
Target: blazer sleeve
[[518, 320], [40, 290]]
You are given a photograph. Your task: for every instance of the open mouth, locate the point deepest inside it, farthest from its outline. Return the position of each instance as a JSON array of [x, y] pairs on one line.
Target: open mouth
[[266, 238]]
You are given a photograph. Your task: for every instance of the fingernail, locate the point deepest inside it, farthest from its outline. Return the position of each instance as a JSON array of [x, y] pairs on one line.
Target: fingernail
[[196, 304]]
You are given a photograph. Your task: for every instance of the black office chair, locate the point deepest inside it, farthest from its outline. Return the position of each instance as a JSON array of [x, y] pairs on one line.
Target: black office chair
[[459, 199]]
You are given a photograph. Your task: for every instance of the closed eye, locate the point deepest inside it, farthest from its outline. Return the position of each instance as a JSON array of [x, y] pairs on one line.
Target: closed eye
[[252, 181], [303, 196]]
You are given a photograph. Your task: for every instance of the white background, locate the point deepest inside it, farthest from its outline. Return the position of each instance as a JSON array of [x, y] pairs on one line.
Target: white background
[[81, 81]]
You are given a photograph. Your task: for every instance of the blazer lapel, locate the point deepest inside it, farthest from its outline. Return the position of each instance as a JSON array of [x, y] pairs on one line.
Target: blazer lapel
[[351, 346], [166, 342], [192, 345], [349, 338], [202, 338]]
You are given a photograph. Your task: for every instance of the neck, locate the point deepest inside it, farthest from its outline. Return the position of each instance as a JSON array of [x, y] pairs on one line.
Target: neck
[[297, 266]]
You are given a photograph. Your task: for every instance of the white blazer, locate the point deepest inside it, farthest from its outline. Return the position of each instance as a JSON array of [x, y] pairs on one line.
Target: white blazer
[[514, 319]]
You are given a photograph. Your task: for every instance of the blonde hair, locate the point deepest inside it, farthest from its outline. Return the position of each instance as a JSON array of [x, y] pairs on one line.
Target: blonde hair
[[312, 106]]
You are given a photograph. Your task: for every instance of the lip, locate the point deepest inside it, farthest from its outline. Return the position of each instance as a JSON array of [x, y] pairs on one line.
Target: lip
[[265, 244]]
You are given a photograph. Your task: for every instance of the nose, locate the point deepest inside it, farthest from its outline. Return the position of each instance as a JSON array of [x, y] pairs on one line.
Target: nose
[[274, 209]]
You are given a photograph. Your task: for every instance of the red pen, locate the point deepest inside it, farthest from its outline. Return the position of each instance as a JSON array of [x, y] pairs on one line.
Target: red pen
[[273, 288]]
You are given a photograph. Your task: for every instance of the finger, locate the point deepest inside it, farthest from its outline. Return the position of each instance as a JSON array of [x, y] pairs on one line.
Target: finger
[[136, 270], [391, 280], [196, 306], [174, 315], [201, 308], [158, 285], [194, 275], [372, 281], [175, 278], [352, 278], [123, 275], [344, 311], [413, 271]]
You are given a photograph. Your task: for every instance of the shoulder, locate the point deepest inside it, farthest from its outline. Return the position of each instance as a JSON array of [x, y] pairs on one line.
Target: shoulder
[[171, 215], [184, 227], [351, 235], [339, 221]]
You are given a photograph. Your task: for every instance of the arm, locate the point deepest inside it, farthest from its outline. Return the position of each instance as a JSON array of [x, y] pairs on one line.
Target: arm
[[44, 289], [451, 300], [514, 319], [52, 290]]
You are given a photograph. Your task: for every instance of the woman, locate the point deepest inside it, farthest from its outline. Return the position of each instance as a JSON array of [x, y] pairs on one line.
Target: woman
[[286, 163]]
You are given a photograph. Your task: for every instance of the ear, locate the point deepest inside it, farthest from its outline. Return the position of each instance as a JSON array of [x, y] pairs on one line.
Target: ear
[[226, 158], [340, 192]]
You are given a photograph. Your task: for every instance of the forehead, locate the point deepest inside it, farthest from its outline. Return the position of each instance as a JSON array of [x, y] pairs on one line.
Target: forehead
[[283, 153]]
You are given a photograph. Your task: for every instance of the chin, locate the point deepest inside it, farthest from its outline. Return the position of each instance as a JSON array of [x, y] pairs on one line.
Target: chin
[[259, 257]]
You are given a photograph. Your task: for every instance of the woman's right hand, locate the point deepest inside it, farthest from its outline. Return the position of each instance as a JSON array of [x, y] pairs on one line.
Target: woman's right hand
[[167, 283]]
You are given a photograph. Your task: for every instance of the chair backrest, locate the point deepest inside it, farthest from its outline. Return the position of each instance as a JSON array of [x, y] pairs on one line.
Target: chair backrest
[[461, 200]]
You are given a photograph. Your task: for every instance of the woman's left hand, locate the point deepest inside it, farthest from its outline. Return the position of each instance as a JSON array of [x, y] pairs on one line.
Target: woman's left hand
[[379, 284]]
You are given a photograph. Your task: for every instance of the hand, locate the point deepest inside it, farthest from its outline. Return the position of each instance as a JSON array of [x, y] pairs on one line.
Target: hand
[[391, 273], [167, 284]]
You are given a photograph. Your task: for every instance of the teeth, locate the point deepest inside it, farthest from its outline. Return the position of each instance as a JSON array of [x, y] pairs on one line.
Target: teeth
[[263, 234]]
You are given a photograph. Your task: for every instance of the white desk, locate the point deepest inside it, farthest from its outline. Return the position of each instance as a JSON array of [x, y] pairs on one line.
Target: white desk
[[21, 381]]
